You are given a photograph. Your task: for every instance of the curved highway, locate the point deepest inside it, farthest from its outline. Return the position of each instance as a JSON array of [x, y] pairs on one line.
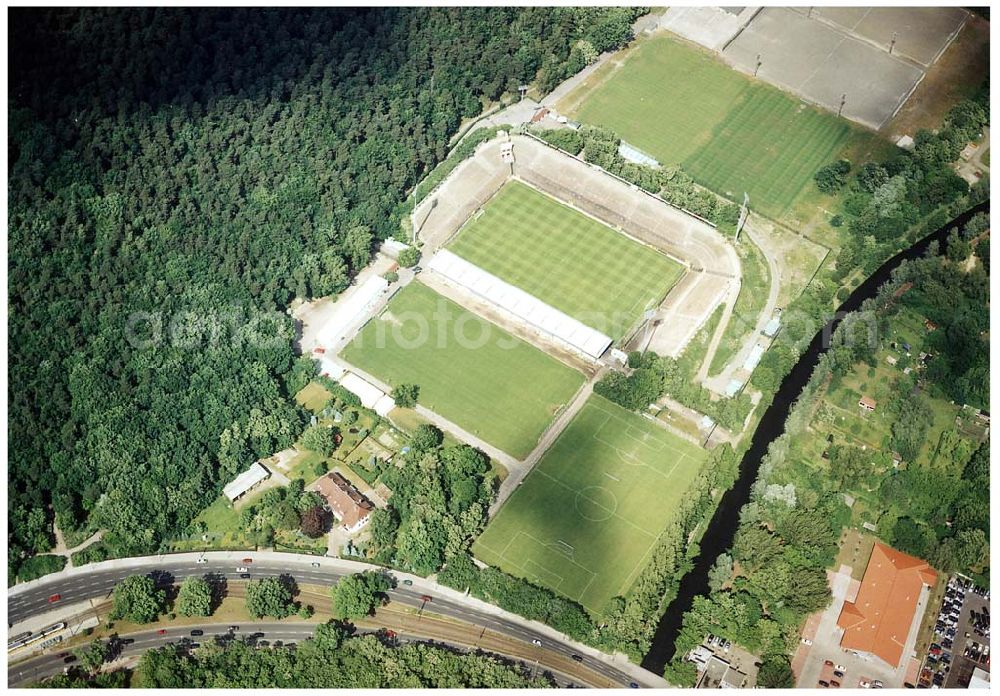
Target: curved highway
[[96, 581]]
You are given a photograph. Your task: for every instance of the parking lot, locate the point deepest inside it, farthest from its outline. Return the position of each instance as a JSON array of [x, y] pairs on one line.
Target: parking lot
[[961, 637], [820, 654]]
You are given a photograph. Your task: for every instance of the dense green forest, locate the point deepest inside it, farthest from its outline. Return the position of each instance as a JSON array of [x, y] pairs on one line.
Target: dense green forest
[[177, 178], [332, 659]]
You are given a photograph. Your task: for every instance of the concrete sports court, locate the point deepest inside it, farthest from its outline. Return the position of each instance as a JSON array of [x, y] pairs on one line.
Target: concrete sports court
[[836, 57]]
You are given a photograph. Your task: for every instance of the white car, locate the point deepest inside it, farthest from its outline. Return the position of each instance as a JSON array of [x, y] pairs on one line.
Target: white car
[[840, 668], [806, 641], [535, 641], [202, 560], [241, 569]]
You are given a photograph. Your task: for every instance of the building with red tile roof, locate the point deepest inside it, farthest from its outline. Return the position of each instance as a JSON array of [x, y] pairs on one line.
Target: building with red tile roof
[[878, 621], [350, 507]]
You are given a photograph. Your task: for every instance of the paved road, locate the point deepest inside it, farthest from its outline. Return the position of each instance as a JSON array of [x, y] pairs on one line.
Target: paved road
[[97, 581], [516, 473], [37, 668], [719, 383]]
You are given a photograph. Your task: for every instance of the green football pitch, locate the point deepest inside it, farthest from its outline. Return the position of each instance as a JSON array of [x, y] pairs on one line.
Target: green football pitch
[[586, 518], [469, 370], [730, 133], [566, 259]]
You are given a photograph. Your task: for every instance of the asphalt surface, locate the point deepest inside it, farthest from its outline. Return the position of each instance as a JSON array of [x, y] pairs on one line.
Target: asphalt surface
[[99, 584], [43, 666]]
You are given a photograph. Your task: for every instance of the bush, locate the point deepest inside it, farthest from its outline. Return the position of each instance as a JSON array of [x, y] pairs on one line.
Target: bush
[[832, 177], [409, 257], [405, 395], [564, 138], [37, 566], [319, 439], [391, 276]]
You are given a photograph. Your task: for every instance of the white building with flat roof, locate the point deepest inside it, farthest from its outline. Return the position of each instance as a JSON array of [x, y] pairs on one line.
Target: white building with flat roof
[[371, 396], [245, 481], [350, 310]]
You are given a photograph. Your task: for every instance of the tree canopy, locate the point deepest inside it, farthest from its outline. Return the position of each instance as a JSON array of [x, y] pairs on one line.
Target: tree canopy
[[137, 599], [177, 177]]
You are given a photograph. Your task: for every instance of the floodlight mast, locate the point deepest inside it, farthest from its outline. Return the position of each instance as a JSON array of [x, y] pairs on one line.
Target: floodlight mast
[[744, 213]]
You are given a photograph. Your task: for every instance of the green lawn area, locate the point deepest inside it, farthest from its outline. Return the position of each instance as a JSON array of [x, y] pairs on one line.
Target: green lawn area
[[769, 145], [565, 258], [223, 524], [491, 384], [667, 99], [733, 134], [587, 516], [312, 397]]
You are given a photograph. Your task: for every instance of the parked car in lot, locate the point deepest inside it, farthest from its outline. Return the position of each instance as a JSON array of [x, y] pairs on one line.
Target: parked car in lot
[[824, 683]]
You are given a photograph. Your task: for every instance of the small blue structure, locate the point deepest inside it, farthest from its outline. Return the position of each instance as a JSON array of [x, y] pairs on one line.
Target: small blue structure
[[771, 330], [634, 154], [754, 358]]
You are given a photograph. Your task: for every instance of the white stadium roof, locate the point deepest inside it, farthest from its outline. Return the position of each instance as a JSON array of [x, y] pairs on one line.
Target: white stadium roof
[[516, 301], [370, 395], [245, 481], [351, 309]]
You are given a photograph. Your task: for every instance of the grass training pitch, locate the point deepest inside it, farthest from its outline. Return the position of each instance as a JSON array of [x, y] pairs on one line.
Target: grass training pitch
[[585, 519], [470, 371], [566, 259], [729, 132]]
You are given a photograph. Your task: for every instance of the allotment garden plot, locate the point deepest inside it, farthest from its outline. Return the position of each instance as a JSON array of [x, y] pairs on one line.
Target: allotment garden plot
[[585, 520], [469, 371], [686, 107], [566, 259]]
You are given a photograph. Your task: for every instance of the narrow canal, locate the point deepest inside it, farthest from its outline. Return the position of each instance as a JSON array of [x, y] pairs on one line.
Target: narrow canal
[[722, 528]]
